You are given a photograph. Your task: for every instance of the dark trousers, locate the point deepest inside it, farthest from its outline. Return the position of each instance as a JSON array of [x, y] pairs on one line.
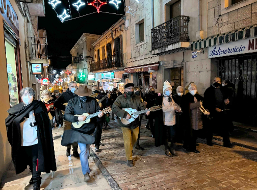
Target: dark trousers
[[190, 137], [150, 125], [98, 134], [31, 155], [220, 124], [170, 132]]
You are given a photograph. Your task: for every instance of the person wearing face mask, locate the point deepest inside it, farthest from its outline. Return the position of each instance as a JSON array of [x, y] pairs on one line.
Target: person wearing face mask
[[169, 107], [84, 135], [192, 117], [215, 100], [29, 133], [151, 98], [179, 128], [130, 132], [60, 104]]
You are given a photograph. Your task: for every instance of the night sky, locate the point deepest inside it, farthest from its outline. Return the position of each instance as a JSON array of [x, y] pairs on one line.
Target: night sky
[[63, 36]]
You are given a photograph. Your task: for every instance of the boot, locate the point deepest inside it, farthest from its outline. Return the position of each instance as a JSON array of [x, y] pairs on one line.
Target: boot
[[76, 154], [172, 150], [86, 177], [37, 183], [68, 152], [130, 163]]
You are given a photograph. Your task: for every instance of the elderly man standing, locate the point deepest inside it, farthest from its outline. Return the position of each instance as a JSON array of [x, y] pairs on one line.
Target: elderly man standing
[[215, 101], [60, 103], [130, 131]]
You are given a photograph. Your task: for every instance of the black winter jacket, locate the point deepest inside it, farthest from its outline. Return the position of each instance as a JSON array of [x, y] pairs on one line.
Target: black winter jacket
[[77, 107], [64, 98]]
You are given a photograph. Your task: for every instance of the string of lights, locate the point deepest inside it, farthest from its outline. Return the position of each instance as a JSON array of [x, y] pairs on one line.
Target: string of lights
[[66, 14]]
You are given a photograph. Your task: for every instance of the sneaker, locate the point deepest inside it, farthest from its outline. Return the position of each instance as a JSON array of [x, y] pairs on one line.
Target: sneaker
[[130, 163], [86, 177], [76, 154]]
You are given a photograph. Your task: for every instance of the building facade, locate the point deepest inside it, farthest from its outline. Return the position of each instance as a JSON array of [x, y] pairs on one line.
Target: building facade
[[109, 59], [82, 56], [16, 26], [230, 49]]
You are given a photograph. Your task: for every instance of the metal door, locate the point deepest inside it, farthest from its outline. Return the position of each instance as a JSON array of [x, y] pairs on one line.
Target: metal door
[[241, 71]]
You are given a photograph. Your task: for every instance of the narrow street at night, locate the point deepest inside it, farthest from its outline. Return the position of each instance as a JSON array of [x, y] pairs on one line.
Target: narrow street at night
[[215, 168]]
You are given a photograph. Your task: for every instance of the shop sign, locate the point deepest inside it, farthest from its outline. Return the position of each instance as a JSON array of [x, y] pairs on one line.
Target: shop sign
[[234, 48], [143, 68], [91, 77], [109, 75], [37, 68], [45, 81], [9, 15]]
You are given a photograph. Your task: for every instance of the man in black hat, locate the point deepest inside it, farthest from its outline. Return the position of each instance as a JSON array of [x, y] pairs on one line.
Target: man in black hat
[[83, 135], [130, 131]]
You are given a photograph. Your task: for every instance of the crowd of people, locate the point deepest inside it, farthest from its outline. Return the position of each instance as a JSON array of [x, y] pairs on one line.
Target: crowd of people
[[172, 118]]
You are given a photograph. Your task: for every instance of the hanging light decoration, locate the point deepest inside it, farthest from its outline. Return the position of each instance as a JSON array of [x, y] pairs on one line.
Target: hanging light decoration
[[63, 16], [78, 4], [116, 3], [54, 3], [97, 4]]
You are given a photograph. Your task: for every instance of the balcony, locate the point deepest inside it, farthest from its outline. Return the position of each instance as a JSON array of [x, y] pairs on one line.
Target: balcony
[[103, 65], [170, 35]]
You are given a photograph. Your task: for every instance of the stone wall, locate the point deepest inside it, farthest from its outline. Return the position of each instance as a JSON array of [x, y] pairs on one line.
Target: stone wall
[[219, 23]]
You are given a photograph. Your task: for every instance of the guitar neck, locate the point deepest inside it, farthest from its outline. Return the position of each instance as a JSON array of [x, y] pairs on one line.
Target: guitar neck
[[140, 112], [93, 115]]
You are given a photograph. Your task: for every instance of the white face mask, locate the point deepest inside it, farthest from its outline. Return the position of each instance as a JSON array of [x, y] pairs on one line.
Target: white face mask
[[27, 99], [180, 94], [193, 92]]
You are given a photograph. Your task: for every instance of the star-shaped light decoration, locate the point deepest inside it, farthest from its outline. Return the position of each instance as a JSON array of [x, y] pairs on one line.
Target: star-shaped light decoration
[[63, 16], [116, 3], [78, 4], [54, 3], [97, 4]]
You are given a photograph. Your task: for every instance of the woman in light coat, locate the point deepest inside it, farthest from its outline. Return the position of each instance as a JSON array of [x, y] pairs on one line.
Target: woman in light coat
[[169, 108]]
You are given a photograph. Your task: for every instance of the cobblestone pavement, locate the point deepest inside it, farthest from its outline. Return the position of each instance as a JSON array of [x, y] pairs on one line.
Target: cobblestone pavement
[[62, 179], [214, 168]]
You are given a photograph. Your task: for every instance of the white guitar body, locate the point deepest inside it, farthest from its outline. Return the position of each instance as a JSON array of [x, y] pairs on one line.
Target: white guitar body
[[80, 123], [133, 116]]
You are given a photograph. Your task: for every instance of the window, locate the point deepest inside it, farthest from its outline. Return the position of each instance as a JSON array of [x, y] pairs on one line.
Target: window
[[140, 33], [232, 2], [98, 55], [103, 52], [235, 1], [175, 9]]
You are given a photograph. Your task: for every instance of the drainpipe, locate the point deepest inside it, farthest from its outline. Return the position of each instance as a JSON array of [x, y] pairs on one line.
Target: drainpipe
[[152, 11], [200, 15]]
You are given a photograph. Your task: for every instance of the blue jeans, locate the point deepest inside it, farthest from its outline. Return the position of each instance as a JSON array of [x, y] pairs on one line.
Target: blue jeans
[[84, 153]]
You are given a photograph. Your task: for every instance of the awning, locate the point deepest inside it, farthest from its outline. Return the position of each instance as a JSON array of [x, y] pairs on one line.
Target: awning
[[143, 68], [219, 39]]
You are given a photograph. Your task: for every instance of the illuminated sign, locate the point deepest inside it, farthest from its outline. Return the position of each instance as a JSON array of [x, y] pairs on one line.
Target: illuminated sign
[[45, 81], [37, 68], [91, 77], [109, 75]]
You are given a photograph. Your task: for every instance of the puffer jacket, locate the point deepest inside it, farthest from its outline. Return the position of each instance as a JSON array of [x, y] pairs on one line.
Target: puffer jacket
[[126, 101]]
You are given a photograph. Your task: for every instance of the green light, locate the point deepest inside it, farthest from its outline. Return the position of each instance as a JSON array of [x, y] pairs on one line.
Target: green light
[[81, 77]]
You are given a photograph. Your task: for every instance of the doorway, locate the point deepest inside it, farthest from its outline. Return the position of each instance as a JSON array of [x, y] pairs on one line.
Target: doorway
[[241, 70]]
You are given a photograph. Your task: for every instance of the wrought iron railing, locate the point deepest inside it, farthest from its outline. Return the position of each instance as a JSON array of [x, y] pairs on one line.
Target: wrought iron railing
[[170, 32], [103, 64]]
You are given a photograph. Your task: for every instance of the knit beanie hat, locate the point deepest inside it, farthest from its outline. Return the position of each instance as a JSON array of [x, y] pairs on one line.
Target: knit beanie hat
[[166, 85]]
